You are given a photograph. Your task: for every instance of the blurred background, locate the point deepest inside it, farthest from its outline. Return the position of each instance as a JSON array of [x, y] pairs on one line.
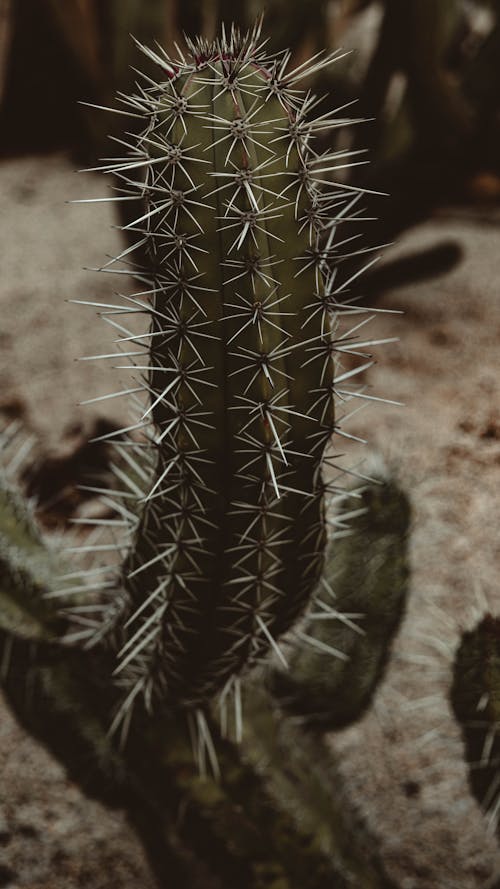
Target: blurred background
[[424, 77], [425, 73]]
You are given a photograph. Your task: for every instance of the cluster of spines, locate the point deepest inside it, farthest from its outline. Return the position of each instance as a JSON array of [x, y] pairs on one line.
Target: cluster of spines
[[238, 238]]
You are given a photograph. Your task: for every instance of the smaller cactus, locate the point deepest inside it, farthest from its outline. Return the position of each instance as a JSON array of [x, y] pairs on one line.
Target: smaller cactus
[[238, 231], [26, 571], [360, 604], [475, 698]]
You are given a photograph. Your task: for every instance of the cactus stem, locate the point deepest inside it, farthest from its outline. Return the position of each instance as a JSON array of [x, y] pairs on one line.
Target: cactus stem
[[236, 233]]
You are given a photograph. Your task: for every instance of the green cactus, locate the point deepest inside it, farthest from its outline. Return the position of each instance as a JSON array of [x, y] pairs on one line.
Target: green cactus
[[475, 698], [366, 582], [291, 825], [239, 226], [26, 571]]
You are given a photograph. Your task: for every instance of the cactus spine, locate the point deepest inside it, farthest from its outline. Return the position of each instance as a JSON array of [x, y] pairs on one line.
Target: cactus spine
[[238, 234]]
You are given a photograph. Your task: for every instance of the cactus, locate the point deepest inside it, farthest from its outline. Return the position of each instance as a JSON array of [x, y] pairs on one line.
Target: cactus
[[366, 580], [237, 229], [475, 698]]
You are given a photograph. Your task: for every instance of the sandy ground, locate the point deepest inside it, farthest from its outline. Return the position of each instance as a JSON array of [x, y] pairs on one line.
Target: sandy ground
[[404, 762]]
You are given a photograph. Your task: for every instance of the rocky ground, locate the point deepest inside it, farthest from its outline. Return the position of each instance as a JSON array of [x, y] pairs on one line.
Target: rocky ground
[[404, 761]]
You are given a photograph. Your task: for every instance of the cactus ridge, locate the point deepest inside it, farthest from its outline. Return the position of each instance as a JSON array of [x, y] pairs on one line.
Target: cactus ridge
[[238, 256]]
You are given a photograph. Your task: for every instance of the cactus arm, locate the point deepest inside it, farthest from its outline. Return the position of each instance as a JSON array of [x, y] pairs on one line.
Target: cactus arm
[[365, 579], [240, 240], [26, 571]]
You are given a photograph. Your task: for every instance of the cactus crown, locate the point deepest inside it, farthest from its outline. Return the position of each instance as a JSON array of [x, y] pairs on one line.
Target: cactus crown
[[238, 234]]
